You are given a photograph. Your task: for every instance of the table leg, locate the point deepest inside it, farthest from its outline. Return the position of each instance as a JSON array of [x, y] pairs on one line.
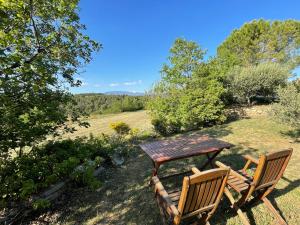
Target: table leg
[[210, 160], [155, 169]]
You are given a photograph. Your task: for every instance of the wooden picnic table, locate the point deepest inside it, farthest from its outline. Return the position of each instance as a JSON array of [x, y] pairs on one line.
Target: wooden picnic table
[[184, 146]]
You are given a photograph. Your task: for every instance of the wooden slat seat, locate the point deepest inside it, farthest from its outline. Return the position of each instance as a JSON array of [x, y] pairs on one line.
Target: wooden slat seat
[[245, 174], [237, 184], [175, 197]]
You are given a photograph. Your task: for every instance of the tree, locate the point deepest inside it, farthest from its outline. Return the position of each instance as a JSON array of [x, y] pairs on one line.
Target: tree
[[42, 47], [261, 41], [261, 80], [188, 95], [297, 84], [287, 110]]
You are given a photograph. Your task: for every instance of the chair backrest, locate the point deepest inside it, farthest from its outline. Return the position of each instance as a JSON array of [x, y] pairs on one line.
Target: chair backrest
[[270, 168], [202, 192]]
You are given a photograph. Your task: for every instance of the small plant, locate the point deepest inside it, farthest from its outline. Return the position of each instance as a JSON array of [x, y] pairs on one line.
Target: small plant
[[28, 187], [41, 204], [83, 174], [120, 128]]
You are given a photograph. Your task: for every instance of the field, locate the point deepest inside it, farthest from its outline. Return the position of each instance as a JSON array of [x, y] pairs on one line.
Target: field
[[100, 123], [126, 198]]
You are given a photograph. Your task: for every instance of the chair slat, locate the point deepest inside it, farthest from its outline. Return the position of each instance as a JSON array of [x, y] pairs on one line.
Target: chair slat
[[216, 191], [211, 191], [200, 194], [277, 168], [196, 195], [271, 170], [189, 199], [207, 187]]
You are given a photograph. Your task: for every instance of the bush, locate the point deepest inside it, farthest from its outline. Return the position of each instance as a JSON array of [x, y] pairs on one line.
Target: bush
[[164, 128], [56, 161], [120, 128], [287, 110], [247, 83]]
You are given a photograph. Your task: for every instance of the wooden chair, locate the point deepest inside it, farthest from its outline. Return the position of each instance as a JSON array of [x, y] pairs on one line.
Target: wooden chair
[[269, 170], [198, 198]]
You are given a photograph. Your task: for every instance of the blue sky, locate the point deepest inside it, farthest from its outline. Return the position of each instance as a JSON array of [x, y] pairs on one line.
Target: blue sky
[[137, 34]]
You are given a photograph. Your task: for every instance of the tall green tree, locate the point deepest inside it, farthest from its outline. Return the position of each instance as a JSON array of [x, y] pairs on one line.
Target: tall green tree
[[42, 47], [261, 41], [188, 95]]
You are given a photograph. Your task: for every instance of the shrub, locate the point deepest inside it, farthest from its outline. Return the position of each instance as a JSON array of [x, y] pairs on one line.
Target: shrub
[[56, 161], [165, 128], [120, 128], [287, 110]]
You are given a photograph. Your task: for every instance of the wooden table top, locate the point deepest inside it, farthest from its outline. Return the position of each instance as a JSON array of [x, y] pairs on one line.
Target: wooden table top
[[182, 147]]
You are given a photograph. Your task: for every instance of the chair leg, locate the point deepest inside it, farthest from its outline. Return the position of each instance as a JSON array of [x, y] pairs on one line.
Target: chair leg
[[237, 209], [165, 221], [273, 210], [201, 222]]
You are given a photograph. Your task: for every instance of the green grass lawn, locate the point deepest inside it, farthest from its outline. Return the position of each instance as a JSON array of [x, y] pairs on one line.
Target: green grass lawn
[[126, 198]]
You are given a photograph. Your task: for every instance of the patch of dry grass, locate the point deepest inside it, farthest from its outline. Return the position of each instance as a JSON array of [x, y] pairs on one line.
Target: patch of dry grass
[[101, 123], [125, 197]]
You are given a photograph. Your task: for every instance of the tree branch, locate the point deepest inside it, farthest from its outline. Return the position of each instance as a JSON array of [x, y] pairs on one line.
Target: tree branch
[[35, 30]]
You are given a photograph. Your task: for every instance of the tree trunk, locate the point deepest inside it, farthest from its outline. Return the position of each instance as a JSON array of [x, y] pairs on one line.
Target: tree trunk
[[21, 151], [248, 101]]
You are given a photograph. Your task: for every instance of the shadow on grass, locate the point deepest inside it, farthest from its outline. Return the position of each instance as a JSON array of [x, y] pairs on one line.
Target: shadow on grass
[[126, 198], [217, 131], [294, 134], [272, 198], [232, 157]]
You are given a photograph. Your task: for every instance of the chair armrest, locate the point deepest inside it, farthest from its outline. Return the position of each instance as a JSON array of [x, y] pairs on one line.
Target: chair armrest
[[195, 170], [221, 165], [232, 172], [166, 201], [251, 158]]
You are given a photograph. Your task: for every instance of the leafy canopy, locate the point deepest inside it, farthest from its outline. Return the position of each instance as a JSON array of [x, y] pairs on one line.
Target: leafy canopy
[[42, 47], [246, 83], [188, 96], [261, 41]]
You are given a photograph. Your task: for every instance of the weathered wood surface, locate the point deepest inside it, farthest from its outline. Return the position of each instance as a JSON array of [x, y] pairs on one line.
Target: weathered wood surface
[[182, 147]]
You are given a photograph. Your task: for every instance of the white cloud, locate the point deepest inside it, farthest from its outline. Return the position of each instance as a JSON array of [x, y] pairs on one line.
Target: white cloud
[[97, 85], [84, 84], [114, 84], [130, 83], [127, 83]]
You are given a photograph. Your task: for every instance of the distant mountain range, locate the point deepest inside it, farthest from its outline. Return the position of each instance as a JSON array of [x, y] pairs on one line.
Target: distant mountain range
[[124, 93]]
